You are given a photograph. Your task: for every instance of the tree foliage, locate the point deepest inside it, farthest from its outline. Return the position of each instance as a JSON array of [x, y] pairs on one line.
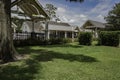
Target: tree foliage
[[7, 50], [113, 18], [51, 10]]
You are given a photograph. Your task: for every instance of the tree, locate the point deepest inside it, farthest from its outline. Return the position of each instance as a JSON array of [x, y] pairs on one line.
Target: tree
[[51, 10], [7, 49], [113, 18]]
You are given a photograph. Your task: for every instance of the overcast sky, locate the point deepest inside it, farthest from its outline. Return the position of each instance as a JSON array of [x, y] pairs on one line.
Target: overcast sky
[[77, 13]]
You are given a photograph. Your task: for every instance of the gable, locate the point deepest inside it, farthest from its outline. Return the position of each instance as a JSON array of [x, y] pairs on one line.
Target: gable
[[90, 24], [25, 27], [87, 24]]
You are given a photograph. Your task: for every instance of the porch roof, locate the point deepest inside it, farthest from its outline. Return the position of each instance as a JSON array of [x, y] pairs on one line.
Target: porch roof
[[51, 26], [32, 8], [90, 24]]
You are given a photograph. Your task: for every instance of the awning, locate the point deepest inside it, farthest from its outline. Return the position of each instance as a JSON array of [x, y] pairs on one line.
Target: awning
[[32, 8]]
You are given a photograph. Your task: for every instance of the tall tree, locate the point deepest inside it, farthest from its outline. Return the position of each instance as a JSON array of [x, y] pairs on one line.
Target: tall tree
[[113, 18], [7, 49], [51, 10]]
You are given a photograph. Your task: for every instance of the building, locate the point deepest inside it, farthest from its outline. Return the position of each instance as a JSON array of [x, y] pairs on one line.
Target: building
[[93, 26], [55, 29], [14, 27], [28, 10]]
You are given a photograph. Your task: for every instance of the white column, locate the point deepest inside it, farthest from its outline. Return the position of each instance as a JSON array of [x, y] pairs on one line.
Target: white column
[[48, 37], [96, 35], [65, 34], [46, 31], [56, 33], [33, 25], [72, 36], [14, 29]]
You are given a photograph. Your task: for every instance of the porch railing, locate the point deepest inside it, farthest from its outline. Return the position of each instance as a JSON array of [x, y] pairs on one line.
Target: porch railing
[[26, 35]]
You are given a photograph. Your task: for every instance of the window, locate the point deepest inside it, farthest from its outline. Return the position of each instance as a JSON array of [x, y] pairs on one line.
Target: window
[[69, 34]]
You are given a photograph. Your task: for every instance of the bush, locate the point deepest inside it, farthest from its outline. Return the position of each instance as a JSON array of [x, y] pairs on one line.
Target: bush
[[85, 38], [109, 38], [94, 39], [76, 40], [30, 42], [60, 40], [20, 43], [56, 41], [67, 40], [36, 42]]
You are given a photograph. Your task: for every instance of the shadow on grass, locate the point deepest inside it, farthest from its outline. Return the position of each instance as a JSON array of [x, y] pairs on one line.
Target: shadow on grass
[[45, 55], [50, 55], [21, 70], [30, 67], [63, 46], [15, 72]]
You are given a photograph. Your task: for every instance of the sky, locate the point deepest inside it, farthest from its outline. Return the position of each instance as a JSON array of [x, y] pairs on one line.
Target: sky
[[76, 13]]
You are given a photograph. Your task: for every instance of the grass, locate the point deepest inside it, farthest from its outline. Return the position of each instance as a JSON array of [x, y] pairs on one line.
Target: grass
[[64, 62]]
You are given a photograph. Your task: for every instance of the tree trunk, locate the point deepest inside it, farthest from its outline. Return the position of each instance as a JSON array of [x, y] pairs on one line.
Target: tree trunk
[[7, 49]]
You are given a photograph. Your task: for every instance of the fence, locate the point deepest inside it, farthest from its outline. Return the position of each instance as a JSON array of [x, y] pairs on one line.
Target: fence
[[26, 35]]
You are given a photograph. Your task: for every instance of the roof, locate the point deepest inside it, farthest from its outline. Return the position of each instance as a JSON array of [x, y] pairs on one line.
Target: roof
[[59, 23], [37, 25], [60, 28], [90, 24], [51, 26], [31, 8]]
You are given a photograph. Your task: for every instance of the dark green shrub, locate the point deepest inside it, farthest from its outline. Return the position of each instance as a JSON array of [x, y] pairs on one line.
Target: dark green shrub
[[85, 38], [60, 40], [94, 39], [56, 41], [21, 43], [67, 40], [109, 38], [36, 42], [30, 42], [76, 40]]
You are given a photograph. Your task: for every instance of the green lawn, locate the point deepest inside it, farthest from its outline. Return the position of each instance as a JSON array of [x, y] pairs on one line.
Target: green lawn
[[64, 62]]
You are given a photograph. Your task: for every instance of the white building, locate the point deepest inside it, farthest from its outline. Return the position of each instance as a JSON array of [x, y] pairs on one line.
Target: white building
[[55, 29]]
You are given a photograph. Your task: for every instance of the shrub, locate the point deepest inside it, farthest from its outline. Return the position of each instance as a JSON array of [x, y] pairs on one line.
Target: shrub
[[20, 43], [30, 42], [76, 40], [94, 39], [56, 40], [85, 38], [67, 40], [109, 38]]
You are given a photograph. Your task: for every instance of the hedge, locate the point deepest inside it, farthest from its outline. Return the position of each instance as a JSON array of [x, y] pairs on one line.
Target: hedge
[[60, 40], [67, 40], [85, 38], [37, 42], [56, 41], [109, 38], [30, 42]]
